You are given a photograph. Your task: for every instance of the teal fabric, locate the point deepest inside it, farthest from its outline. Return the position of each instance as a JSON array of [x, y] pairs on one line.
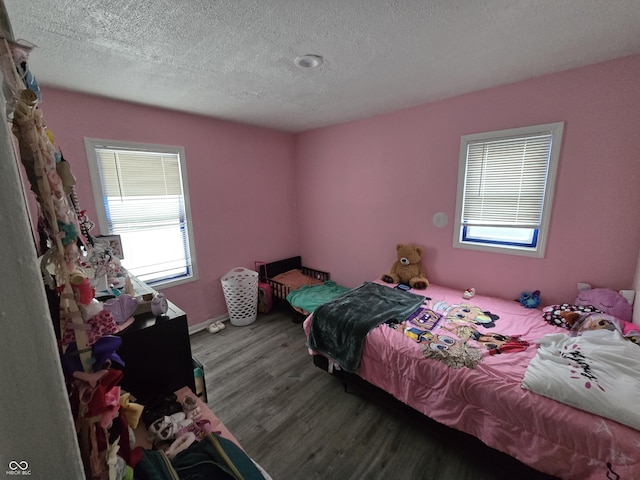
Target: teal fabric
[[201, 460], [154, 465], [310, 297]]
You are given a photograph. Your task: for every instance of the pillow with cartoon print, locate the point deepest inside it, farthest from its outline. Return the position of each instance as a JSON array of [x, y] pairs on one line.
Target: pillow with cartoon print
[[603, 321], [565, 315]]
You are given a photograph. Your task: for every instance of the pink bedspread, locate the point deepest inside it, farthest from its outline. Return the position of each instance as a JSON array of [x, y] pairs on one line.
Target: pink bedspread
[[488, 401]]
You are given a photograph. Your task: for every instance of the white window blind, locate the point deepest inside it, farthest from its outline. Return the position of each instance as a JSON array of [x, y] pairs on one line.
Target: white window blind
[[144, 202], [505, 189], [505, 182]]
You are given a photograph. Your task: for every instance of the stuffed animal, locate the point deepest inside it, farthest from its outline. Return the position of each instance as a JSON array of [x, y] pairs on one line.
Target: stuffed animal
[[591, 301], [617, 304], [530, 299], [408, 269]]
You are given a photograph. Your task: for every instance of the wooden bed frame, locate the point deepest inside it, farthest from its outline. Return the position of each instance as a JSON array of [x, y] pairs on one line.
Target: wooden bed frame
[[279, 291]]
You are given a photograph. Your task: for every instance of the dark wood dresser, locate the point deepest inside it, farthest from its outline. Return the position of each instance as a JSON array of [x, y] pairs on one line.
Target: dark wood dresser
[[157, 354]]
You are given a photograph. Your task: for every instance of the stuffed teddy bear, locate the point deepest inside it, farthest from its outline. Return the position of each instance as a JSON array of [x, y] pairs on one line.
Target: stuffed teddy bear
[[408, 269]]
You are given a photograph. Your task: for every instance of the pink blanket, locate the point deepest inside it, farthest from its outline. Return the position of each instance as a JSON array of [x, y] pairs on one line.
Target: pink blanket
[[485, 398]]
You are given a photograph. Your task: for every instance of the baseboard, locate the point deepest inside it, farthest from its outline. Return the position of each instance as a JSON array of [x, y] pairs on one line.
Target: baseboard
[[198, 327]]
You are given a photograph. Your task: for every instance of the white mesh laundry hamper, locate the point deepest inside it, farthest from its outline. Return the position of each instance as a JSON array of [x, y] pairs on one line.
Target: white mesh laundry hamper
[[240, 287]]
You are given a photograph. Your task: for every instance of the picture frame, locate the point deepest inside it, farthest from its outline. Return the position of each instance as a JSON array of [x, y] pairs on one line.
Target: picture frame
[[114, 242]]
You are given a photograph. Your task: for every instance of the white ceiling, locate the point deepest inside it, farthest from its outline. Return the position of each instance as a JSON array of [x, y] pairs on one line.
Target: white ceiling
[[233, 59]]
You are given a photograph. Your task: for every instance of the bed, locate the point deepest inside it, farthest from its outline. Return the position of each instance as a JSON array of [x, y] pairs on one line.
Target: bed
[[297, 287], [462, 363]]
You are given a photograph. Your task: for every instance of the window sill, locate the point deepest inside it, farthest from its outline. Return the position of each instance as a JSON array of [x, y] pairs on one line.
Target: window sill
[[174, 282], [503, 249]]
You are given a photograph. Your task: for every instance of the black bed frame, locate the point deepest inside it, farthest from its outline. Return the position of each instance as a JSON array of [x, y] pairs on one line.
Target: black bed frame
[[279, 291]]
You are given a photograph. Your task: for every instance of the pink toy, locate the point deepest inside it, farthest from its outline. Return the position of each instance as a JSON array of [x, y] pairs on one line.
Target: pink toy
[[82, 287], [617, 304]]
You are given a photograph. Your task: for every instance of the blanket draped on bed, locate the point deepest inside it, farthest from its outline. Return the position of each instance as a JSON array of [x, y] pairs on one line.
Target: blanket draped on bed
[[596, 372], [340, 326]]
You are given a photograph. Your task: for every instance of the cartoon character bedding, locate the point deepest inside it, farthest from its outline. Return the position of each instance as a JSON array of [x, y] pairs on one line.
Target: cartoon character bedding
[[462, 363], [458, 335]]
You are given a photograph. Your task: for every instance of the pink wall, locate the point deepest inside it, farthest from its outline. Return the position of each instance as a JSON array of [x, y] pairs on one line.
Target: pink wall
[[240, 180], [360, 188], [366, 185]]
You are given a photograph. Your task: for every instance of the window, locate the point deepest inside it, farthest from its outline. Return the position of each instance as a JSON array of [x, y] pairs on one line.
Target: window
[[141, 194], [505, 189]]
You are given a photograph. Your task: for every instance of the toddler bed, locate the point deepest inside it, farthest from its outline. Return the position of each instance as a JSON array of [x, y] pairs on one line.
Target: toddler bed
[[298, 287], [462, 363]]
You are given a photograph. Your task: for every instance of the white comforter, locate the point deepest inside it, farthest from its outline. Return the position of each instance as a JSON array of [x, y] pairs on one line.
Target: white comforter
[[598, 371]]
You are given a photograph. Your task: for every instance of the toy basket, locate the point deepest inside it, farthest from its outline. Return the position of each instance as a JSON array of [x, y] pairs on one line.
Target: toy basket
[[240, 287]]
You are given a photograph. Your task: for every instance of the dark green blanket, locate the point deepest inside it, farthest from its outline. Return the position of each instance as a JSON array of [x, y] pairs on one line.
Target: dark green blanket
[[340, 326]]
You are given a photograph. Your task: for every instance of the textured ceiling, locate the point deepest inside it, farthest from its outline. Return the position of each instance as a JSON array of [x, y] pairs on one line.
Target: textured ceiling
[[233, 59]]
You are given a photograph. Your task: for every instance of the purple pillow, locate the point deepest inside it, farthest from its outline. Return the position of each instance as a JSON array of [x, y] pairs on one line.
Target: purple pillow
[[606, 301]]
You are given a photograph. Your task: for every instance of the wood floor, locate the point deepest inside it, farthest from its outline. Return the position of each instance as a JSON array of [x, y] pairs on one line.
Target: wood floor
[[298, 422]]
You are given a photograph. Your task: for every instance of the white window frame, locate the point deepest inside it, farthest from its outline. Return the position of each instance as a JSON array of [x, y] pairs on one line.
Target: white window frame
[[555, 130], [90, 146]]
